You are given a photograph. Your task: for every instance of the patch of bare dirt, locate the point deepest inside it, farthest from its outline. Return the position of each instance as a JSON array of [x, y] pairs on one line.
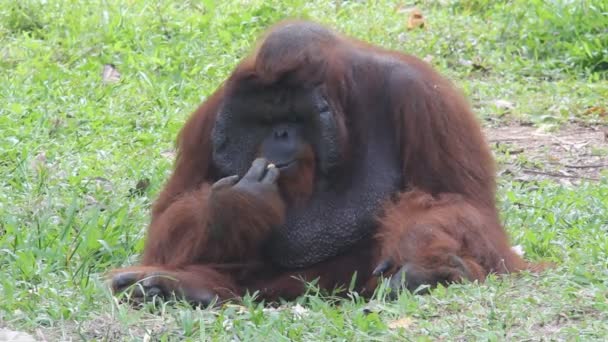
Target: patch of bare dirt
[[106, 327], [571, 154], [9, 335]]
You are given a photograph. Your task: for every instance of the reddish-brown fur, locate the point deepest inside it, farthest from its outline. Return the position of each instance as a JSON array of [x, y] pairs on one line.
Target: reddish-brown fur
[[448, 210], [297, 188], [427, 231]]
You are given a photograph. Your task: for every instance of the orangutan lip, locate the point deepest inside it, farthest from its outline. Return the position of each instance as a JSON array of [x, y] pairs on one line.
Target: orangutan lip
[[283, 166]]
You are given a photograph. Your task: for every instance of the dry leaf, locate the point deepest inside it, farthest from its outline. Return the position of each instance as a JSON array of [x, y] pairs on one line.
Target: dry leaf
[[465, 62], [169, 154], [596, 110], [371, 307], [299, 311], [401, 323], [110, 74], [140, 188], [39, 162], [56, 124], [240, 309], [415, 20], [503, 104], [428, 59], [477, 66], [91, 200], [103, 183], [401, 8]]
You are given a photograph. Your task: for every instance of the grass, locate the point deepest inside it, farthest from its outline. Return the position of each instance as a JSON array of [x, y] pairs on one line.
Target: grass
[[74, 148]]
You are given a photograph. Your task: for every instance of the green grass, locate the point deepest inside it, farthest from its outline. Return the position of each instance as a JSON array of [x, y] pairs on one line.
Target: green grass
[[72, 149]]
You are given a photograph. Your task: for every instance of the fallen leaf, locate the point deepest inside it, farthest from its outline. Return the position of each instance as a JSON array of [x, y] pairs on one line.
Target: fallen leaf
[[169, 154], [56, 123], [240, 309], [477, 66], [465, 62], [506, 172], [415, 20], [516, 151], [401, 323], [596, 110], [110, 74], [103, 183], [402, 8], [140, 188], [299, 311], [39, 162], [91, 200], [503, 104], [371, 307]]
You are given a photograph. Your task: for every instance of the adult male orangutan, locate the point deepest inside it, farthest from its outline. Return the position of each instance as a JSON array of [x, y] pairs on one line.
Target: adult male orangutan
[[321, 156]]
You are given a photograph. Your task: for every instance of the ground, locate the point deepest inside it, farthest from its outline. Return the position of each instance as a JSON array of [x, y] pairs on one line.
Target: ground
[[568, 155], [94, 93]]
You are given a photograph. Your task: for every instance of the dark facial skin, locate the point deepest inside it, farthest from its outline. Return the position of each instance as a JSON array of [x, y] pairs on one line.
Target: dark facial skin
[[277, 125], [274, 124], [283, 145]]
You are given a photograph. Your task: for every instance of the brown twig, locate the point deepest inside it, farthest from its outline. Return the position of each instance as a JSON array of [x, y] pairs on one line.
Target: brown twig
[[590, 166], [553, 174]]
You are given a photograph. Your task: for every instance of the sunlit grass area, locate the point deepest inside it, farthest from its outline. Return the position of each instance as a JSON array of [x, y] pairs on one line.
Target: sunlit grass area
[[82, 157]]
